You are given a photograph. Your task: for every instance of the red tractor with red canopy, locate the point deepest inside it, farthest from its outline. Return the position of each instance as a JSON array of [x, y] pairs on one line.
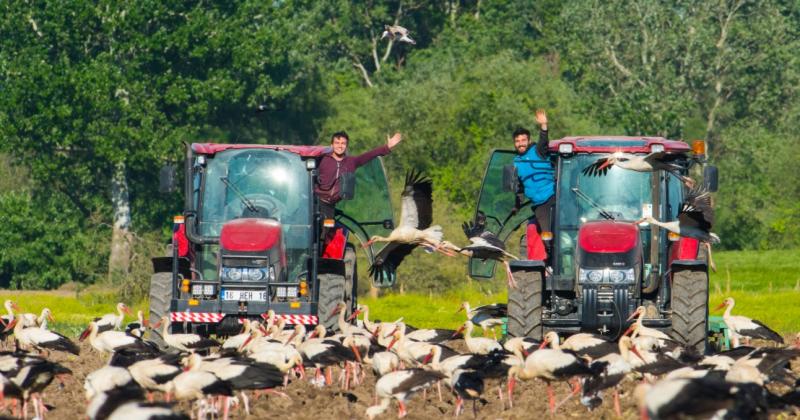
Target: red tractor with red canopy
[[249, 239], [601, 265]]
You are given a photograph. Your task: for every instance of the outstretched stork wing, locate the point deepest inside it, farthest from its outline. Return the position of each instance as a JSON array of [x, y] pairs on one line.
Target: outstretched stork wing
[[417, 202], [599, 167], [697, 210], [389, 258]]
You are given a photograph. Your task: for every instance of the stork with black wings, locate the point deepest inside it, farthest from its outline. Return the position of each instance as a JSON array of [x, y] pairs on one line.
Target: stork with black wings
[[415, 229], [670, 162], [695, 219], [485, 245]]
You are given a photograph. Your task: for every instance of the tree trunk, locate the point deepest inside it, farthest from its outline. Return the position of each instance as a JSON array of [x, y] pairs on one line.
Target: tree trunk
[[119, 260]]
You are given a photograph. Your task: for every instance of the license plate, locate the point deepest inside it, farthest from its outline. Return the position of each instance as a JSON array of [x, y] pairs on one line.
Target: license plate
[[246, 295]]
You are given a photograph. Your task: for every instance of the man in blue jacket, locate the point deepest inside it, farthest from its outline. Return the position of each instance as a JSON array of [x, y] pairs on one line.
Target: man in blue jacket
[[537, 183]]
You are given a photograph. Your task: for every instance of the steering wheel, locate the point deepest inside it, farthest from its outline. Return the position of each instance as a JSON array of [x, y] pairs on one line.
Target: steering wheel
[[273, 207]]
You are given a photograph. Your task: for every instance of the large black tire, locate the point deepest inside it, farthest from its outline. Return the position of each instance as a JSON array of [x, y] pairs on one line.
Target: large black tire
[[331, 292], [350, 277], [690, 307], [160, 297], [525, 305]]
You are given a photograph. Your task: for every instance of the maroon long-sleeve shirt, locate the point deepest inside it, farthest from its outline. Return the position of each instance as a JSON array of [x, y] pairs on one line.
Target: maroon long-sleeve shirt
[[327, 188]]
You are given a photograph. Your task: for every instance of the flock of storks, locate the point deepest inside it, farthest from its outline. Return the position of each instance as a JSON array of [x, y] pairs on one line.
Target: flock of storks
[[744, 382]]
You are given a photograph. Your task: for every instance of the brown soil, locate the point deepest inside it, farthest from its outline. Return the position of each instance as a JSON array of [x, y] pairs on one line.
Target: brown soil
[[307, 401]]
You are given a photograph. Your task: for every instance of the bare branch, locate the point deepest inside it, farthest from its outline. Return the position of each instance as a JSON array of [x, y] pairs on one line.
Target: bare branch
[[624, 70], [35, 26], [364, 73]]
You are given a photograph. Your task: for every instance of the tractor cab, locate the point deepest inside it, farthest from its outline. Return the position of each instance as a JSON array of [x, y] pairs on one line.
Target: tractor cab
[[601, 265], [250, 239]]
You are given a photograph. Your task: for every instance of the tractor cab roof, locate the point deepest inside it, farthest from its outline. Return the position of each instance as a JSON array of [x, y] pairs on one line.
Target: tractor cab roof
[[611, 144], [303, 151]]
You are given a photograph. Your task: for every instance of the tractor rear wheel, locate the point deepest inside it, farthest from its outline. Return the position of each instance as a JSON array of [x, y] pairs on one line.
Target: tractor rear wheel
[[525, 305], [331, 292], [690, 307], [160, 298]]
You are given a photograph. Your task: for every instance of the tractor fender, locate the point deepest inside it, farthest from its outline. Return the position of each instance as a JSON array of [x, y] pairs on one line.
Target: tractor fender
[[331, 266]]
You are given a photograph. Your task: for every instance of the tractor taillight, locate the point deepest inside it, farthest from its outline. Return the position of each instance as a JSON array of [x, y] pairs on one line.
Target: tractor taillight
[[185, 286]]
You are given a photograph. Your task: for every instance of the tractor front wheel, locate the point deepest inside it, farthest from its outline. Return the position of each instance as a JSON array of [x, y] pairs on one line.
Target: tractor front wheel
[[160, 297], [690, 307], [525, 305], [331, 292]]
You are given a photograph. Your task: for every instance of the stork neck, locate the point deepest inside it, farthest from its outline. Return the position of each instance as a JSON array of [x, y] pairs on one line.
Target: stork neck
[[728, 309]]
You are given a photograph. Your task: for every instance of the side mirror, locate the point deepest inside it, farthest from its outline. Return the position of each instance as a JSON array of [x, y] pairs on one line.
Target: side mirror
[[347, 185], [710, 178], [167, 182], [510, 178]]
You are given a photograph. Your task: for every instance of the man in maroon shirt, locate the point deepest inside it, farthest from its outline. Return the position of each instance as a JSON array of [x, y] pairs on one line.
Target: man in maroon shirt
[[336, 163]]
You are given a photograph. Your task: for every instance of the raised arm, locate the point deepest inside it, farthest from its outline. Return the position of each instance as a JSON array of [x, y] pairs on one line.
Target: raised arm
[[541, 145], [391, 142]]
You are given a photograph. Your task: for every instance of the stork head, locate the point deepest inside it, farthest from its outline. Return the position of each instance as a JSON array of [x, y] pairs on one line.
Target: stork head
[[549, 338], [46, 313], [121, 307], [639, 311], [87, 331], [725, 303]]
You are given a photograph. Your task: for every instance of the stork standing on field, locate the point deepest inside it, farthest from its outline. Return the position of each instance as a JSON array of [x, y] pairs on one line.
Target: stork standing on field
[[33, 320], [742, 326], [616, 369], [477, 345], [41, 339], [401, 385], [398, 33], [655, 161], [137, 328], [113, 321], [415, 229], [486, 316], [111, 341], [695, 219]]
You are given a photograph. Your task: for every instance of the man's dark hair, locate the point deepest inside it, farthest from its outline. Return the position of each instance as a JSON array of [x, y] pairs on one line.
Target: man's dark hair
[[340, 134], [520, 131]]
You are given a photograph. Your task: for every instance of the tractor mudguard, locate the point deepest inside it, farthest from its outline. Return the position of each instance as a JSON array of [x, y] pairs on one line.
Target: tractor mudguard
[[331, 266]]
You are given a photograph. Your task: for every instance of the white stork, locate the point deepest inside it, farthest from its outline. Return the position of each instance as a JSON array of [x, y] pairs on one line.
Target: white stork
[[33, 320], [485, 245], [397, 32], [477, 345], [183, 342], [486, 316], [25, 376], [41, 339], [105, 379], [670, 162], [742, 326], [551, 365], [111, 341], [401, 385], [113, 321], [194, 385], [137, 328], [617, 367], [416, 217], [695, 219], [585, 344], [124, 404]]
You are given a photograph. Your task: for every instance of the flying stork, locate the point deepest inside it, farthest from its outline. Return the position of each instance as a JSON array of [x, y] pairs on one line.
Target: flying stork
[[695, 219], [486, 316], [485, 245], [397, 32], [416, 217], [669, 162]]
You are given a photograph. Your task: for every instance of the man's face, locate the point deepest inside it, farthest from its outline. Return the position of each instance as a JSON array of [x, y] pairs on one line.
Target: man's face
[[339, 145], [521, 143]]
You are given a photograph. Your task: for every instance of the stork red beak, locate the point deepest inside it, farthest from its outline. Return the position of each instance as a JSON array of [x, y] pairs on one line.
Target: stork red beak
[[336, 310], [636, 352], [85, 333], [391, 333], [51, 318], [629, 330], [355, 314], [721, 305], [146, 323], [292, 336], [389, 347], [11, 325], [458, 331], [313, 334], [525, 352], [544, 344], [632, 315], [157, 324], [356, 352], [14, 306], [246, 342], [604, 165], [127, 310], [427, 358]]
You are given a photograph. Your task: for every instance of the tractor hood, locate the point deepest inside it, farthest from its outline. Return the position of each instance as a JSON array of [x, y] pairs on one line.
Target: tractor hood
[[609, 244], [250, 235]]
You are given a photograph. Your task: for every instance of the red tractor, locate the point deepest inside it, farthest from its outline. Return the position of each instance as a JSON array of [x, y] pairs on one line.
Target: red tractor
[[249, 239], [601, 265]]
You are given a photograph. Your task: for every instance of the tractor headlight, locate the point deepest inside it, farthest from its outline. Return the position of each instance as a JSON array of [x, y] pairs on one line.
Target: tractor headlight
[[590, 276], [243, 274], [232, 274], [254, 274], [621, 276]]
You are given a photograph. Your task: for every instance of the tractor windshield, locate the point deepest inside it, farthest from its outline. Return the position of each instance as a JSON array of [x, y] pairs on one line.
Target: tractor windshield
[[619, 195], [259, 183]]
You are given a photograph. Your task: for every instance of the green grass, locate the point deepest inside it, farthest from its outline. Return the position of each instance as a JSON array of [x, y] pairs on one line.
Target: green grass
[[72, 313]]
